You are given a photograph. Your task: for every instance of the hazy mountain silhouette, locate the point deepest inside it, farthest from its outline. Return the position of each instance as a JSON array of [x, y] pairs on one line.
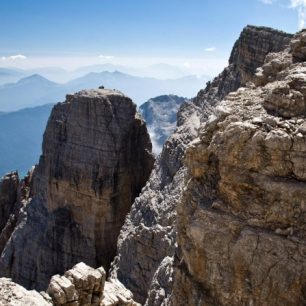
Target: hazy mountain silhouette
[[21, 137], [29, 92], [36, 90]]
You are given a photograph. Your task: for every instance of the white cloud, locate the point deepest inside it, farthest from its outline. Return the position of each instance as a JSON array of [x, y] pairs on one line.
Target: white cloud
[[267, 1], [156, 147], [300, 5], [187, 65], [210, 49], [13, 57], [108, 57]]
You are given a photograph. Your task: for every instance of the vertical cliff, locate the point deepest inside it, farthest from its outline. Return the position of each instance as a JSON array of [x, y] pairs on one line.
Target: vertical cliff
[[96, 158], [147, 240], [8, 197], [241, 221]]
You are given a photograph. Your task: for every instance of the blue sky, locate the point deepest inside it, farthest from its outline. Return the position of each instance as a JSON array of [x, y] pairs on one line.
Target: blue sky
[[175, 31]]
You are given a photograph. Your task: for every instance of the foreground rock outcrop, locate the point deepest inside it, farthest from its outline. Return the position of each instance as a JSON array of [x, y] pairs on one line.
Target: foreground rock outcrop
[[83, 285], [241, 223], [96, 158], [80, 286], [147, 240]]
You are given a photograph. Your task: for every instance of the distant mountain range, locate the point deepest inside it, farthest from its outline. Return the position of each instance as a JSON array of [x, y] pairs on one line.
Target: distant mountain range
[[21, 138], [28, 92], [60, 75], [158, 71], [36, 90], [140, 89], [10, 75], [160, 116]]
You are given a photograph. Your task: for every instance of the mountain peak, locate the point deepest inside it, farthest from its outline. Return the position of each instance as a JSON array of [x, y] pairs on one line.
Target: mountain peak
[[35, 78]]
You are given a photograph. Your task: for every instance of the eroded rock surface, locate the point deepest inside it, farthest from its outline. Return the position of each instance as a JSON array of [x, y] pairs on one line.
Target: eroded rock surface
[[96, 158], [241, 224], [148, 235]]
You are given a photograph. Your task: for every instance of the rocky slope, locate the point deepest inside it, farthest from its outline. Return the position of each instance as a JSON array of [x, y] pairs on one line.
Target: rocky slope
[[96, 158], [147, 241], [160, 116], [241, 222]]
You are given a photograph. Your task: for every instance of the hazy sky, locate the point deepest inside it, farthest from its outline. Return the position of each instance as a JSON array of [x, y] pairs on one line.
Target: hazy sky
[[192, 34]]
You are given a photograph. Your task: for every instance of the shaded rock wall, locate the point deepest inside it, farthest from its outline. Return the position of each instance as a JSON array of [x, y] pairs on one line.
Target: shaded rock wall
[[8, 196], [14, 198]]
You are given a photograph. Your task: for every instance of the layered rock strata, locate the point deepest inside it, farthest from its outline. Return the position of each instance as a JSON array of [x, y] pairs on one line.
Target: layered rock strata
[[148, 235], [96, 158], [241, 223]]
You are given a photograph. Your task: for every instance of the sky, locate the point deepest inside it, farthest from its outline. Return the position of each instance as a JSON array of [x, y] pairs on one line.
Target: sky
[[196, 35]]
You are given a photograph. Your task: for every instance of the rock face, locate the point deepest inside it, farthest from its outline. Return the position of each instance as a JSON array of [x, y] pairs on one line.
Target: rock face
[[96, 158], [8, 197], [84, 286], [148, 235], [160, 116], [80, 286], [241, 223], [14, 196]]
